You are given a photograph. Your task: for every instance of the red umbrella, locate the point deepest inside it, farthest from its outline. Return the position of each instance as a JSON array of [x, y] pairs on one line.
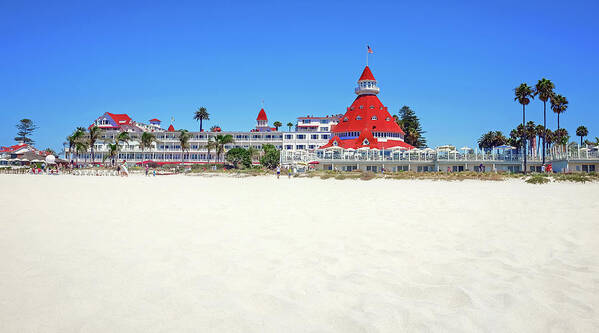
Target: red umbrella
[[314, 162]]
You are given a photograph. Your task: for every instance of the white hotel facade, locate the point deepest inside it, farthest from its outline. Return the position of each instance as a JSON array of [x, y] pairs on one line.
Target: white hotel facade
[[310, 132]]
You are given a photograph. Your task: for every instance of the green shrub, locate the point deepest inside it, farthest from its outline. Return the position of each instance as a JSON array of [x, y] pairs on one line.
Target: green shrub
[[537, 179]]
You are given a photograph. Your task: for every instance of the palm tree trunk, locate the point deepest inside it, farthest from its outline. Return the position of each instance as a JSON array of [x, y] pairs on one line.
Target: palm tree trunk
[[544, 126], [200, 124], [524, 135], [558, 121]]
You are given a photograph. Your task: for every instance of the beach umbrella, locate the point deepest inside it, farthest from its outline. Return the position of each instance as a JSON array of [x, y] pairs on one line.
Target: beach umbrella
[[50, 159], [313, 162]]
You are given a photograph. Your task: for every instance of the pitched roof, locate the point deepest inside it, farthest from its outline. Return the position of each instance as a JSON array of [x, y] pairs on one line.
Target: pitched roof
[[366, 75], [120, 119], [154, 120], [367, 111], [262, 115], [171, 128], [371, 142]]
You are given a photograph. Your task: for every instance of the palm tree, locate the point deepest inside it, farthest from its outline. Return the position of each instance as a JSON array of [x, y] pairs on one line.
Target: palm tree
[[540, 130], [122, 137], [544, 89], [200, 115], [94, 135], [277, 124], [582, 131], [74, 138], [113, 149], [80, 148], [221, 141], [147, 139], [184, 137], [561, 136], [211, 145], [289, 124], [523, 94], [559, 104]]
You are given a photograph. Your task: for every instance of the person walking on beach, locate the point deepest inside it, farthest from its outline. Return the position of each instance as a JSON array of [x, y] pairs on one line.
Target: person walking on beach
[[278, 171], [289, 171], [147, 170]]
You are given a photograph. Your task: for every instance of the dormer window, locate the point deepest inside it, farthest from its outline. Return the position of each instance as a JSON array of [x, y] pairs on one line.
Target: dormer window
[[372, 107], [387, 119], [351, 108], [361, 107], [345, 119], [365, 142], [335, 143], [373, 118], [358, 118]]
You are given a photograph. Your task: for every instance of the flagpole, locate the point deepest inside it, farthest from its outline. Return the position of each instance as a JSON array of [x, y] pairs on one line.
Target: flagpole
[[367, 57]]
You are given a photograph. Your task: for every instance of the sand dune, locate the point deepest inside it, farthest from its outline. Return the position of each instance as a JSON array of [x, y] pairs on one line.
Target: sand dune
[[182, 254]]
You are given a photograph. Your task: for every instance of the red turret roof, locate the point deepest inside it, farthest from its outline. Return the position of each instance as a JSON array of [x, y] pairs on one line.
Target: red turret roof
[[366, 75], [367, 111], [262, 115], [154, 120], [171, 128], [371, 142]]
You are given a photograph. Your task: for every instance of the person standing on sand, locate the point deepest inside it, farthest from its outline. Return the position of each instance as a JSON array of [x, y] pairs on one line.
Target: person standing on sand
[[147, 170], [278, 171], [289, 171]]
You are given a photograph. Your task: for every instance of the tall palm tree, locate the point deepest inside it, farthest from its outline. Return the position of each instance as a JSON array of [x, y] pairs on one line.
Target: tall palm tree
[[147, 139], [524, 94], [200, 115], [113, 150], [544, 89], [289, 124], [582, 131], [540, 130], [81, 148], [184, 137], [122, 137], [74, 138], [277, 124], [559, 104], [222, 140], [211, 145], [94, 134]]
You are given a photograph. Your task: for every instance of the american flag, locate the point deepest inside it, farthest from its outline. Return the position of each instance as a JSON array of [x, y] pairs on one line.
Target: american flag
[[369, 49]]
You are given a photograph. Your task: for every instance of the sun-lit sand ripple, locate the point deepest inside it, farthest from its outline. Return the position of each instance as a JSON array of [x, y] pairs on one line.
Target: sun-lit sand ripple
[[99, 254]]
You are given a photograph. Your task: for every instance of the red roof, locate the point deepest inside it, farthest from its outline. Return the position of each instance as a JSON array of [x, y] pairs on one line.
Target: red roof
[[366, 75], [262, 115], [120, 119], [154, 120], [12, 148], [171, 128], [367, 111]]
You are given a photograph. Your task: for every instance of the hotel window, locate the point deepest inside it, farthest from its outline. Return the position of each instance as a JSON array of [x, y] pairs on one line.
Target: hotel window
[[301, 136], [311, 146], [345, 119], [289, 147], [305, 121], [324, 129], [373, 118], [372, 107], [288, 136], [300, 147], [387, 119], [314, 136], [351, 108], [361, 107], [325, 136]]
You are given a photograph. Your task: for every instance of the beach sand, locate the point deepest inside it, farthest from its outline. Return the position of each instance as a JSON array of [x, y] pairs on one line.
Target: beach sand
[[197, 254]]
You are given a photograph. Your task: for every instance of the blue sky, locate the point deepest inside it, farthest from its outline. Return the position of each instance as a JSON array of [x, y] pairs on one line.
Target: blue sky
[[455, 64]]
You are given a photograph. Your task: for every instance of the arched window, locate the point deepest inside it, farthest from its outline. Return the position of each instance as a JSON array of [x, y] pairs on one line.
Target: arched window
[[358, 118], [374, 118], [372, 107], [365, 142], [335, 143], [387, 119]]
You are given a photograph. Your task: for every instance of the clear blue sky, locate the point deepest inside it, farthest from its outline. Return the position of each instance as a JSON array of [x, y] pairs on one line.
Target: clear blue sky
[[65, 63]]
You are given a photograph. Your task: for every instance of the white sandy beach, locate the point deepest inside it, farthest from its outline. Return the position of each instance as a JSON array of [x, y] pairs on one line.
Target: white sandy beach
[[195, 254]]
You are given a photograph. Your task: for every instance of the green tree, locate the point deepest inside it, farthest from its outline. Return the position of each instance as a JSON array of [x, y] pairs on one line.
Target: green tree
[[410, 124], [222, 140], [561, 136], [211, 145], [524, 94], [559, 104], [184, 137], [147, 139], [582, 131], [239, 156], [75, 137], [25, 129], [277, 124], [289, 124], [113, 150], [253, 153], [540, 130], [271, 157], [50, 151], [215, 128], [491, 139], [94, 134], [544, 89], [81, 148], [200, 115], [122, 137]]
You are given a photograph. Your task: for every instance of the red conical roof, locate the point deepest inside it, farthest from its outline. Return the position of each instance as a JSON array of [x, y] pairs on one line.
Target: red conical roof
[[366, 75], [367, 111], [171, 128], [261, 115]]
